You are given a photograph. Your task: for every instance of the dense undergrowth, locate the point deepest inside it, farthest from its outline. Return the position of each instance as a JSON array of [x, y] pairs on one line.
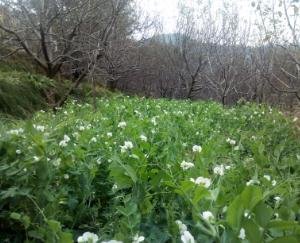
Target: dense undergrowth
[[23, 93], [154, 170]]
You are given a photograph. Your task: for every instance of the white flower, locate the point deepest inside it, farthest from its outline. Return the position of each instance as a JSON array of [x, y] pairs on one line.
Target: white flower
[[295, 119], [67, 138], [39, 128], [231, 141], [109, 134], [242, 234], [16, 131], [182, 227], [88, 237], [63, 143], [197, 148], [247, 214], [112, 241], [138, 239], [206, 182], [94, 140], [236, 148], [36, 158], [252, 182], [219, 170], [186, 237], [207, 215], [18, 151], [224, 209], [267, 177], [57, 162], [274, 183], [122, 124], [127, 145], [115, 187], [186, 165], [66, 176], [81, 128], [153, 121], [143, 138], [75, 134], [134, 156], [277, 199]]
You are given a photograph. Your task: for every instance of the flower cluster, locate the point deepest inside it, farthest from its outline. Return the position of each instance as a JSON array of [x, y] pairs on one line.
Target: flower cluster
[[242, 234], [268, 178], [186, 236], [207, 215], [197, 148], [64, 142], [88, 237], [138, 239], [16, 131], [39, 128], [231, 141], [220, 169], [127, 145], [186, 165], [122, 124], [253, 182], [143, 138], [206, 182]]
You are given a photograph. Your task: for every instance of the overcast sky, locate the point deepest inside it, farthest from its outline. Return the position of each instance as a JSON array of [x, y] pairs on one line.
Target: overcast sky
[[168, 12]]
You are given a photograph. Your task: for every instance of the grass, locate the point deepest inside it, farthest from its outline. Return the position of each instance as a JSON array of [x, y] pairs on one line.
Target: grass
[[22, 93], [118, 172]]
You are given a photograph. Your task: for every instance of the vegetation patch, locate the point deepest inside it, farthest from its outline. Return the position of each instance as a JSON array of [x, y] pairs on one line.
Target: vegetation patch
[[150, 170], [22, 93]]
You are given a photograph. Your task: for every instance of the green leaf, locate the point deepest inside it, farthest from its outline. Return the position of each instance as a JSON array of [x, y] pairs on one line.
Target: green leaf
[[287, 239], [54, 225], [251, 196], [246, 200], [284, 225], [66, 237], [263, 214], [199, 193], [229, 236], [26, 221], [254, 235], [122, 180], [15, 216], [13, 192]]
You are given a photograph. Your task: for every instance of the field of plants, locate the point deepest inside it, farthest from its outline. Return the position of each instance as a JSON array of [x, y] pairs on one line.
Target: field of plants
[[143, 170]]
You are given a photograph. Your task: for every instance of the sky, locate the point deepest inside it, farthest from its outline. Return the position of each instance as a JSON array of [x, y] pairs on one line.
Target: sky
[[167, 10]]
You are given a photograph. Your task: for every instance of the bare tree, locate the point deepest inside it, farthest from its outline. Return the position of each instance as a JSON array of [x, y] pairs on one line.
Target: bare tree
[[281, 28]]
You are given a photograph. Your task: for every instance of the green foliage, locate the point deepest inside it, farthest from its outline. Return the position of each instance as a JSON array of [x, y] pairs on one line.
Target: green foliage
[[78, 170], [23, 93]]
